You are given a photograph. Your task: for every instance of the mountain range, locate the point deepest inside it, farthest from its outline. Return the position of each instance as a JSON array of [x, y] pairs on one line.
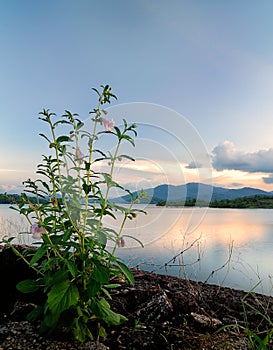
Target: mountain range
[[194, 190]]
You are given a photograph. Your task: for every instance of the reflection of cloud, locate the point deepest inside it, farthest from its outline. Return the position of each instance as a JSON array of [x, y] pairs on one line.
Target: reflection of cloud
[[226, 156], [213, 227], [217, 227]]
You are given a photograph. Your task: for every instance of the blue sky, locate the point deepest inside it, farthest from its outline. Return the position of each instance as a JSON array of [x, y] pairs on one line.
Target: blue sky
[[208, 61]]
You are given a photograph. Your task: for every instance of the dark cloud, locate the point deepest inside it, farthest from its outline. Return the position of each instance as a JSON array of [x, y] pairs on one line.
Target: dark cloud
[[193, 165], [236, 184], [268, 180], [226, 156]]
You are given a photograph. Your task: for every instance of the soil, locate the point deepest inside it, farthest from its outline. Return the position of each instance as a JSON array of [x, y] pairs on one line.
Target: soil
[[163, 312]]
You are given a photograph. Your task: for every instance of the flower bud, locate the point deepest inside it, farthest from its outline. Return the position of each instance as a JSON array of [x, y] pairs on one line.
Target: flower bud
[[121, 242]]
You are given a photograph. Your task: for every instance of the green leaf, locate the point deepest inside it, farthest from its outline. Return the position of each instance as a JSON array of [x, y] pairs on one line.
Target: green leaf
[[102, 332], [110, 317], [105, 291], [35, 314], [46, 240], [80, 124], [61, 122], [100, 238], [96, 91], [81, 330], [108, 212], [136, 239], [57, 277], [72, 268], [48, 219], [128, 138], [93, 288], [86, 188], [118, 132], [63, 139], [101, 273], [45, 137], [113, 285], [49, 322], [87, 165], [28, 286], [127, 157], [126, 271], [110, 182], [39, 253], [62, 296]]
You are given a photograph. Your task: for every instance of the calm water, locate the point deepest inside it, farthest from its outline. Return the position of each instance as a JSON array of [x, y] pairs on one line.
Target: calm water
[[207, 235]]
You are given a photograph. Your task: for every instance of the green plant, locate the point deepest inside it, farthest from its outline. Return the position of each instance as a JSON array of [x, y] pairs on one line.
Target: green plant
[[255, 339], [258, 340], [75, 267]]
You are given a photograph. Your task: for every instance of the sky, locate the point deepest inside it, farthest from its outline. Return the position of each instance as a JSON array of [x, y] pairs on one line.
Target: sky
[[196, 76]]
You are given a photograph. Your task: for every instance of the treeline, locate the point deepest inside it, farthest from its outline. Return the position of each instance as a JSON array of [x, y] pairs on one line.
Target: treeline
[[187, 203], [15, 198], [255, 202], [9, 198]]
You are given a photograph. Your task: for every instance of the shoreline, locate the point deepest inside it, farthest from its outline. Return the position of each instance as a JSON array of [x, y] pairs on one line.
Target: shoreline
[[189, 315]]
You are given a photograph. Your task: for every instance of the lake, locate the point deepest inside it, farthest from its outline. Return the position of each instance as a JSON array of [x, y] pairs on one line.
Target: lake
[[229, 247]]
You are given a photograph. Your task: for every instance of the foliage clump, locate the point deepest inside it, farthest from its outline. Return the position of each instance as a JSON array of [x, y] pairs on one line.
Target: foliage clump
[[75, 267]]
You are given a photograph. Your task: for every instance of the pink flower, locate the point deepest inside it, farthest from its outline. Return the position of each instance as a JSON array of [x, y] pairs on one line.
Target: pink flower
[[36, 231], [79, 155], [108, 124]]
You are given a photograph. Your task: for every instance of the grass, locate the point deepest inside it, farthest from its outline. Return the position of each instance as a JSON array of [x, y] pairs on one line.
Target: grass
[[257, 339]]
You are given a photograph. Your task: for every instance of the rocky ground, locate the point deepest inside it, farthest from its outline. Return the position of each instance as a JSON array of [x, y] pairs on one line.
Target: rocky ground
[[164, 312]]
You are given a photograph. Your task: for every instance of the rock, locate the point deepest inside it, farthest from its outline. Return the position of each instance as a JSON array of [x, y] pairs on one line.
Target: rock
[[155, 308], [206, 321], [3, 331]]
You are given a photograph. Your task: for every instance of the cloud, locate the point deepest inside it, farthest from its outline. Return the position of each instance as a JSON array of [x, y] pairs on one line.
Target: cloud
[[10, 188], [268, 180], [226, 156], [8, 170], [193, 165], [236, 184]]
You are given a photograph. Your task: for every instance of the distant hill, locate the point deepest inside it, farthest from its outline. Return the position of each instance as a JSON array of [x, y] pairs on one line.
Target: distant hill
[[194, 190]]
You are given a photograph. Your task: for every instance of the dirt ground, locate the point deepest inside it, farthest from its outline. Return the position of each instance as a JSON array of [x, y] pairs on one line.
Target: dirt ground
[[164, 312]]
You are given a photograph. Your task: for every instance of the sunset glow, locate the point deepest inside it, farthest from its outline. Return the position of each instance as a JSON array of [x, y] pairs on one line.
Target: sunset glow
[[198, 88]]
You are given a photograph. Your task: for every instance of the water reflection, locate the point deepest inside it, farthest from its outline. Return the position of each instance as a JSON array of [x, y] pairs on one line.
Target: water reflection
[[248, 232], [166, 232], [169, 225]]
